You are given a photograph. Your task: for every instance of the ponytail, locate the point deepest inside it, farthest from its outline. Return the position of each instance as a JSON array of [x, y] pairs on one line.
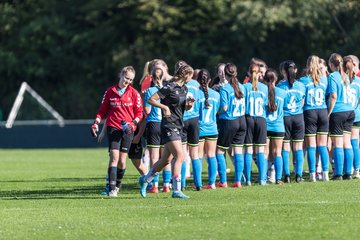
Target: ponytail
[[254, 76], [313, 68], [203, 79], [290, 69], [348, 67], [337, 61], [269, 78], [231, 73]]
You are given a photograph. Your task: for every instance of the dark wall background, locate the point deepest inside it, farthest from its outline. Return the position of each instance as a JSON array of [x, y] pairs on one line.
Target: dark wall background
[[48, 136], [70, 51]]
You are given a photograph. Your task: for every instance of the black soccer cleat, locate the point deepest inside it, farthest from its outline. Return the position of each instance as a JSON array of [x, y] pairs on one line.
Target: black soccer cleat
[[347, 177], [298, 178], [337, 178], [287, 179]]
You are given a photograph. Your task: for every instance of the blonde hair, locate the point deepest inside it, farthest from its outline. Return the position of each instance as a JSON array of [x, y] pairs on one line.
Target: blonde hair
[[313, 69], [125, 70], [254, 71], [336, 60], [146, 72]]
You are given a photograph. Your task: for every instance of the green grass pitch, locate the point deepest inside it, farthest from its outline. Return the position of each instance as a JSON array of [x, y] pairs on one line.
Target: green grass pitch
[[54, 194]]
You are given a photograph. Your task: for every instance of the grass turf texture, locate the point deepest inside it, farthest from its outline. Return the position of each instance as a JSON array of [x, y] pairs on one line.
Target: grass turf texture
[[54, 194]]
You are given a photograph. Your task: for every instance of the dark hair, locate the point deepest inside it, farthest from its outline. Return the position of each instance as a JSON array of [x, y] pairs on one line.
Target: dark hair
[[203, 79], [156, 79], [270, 77], [231, 72], [336, 60], [183, 70], [290, 69], [216, 80], [178, 64]]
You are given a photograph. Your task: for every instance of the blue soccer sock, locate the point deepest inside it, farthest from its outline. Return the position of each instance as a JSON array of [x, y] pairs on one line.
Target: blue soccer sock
[[239, 166], [196, 165], [221, 167], [338, 153], [212, 170], [348, 160], [278, 164], [183, 174], [311, 157], [176, 181], [299, 154], [260, 157], [286, 161], [355, 147], [324, 156], [247, 166], [156, 181], [166, 177]]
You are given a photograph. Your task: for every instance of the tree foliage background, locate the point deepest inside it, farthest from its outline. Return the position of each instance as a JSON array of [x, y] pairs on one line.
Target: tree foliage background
[[70, 51]]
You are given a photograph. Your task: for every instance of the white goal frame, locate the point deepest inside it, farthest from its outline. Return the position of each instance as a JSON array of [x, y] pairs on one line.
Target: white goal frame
[[19, 99]]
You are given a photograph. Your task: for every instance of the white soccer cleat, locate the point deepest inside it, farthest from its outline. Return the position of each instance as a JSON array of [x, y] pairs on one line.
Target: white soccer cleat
[[113, 193], [356, 174], [312, 177], [325, 176]]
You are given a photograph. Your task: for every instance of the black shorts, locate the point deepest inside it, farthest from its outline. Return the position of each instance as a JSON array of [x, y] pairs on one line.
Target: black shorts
[[316, 122], [231, 132], [341, 122], [119, 140], [135, 151], [294, 128], [170, 134], [255, 131], [191, 131], [356, 125], [275, 135], [212, 137], [153, 134]]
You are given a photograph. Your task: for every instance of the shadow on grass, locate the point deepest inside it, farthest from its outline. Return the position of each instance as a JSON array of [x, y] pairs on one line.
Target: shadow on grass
[[53, 180], [66, 192]]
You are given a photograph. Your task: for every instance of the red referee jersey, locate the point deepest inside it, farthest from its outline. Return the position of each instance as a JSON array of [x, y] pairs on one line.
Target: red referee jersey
[[358, 74], [128, 107]]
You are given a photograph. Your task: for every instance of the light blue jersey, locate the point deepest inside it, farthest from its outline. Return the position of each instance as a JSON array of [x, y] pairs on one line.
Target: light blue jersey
[[294, 97], [155, 113], [207, 118], [336, 85], [193, 91], [256, 101], [314, 94], [235, 107], [275, 120], [355, 95]]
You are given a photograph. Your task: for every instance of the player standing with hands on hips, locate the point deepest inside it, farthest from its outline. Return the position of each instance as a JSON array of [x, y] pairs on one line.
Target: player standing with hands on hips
[[123, 107], [173, 103]]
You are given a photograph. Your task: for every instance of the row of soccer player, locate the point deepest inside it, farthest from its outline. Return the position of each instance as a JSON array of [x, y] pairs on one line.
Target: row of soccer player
[[258, 115]]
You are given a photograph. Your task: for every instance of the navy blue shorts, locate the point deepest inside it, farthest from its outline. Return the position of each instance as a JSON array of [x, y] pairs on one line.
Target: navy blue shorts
[[135, 151], [255, 131], [275, 135], [191, 131], [341, 122], [294, 128], [153, 134], [231, 132], [316, 122], [211, 137]]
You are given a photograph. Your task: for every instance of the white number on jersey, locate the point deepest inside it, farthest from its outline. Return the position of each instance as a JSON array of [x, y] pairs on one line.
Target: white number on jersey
[[316, 97], [292, 104], [256, 106]]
